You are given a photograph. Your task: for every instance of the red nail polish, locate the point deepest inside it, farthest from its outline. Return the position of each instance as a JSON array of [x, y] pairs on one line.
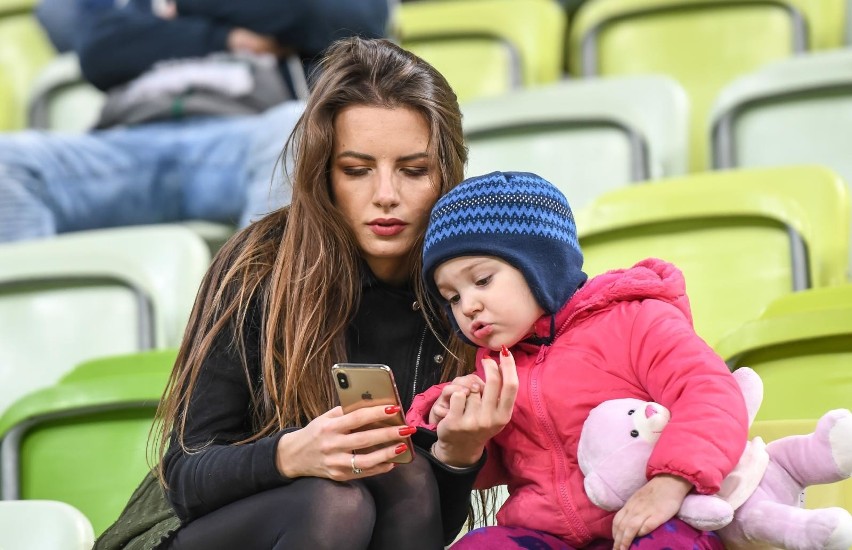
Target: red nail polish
[[407, 430], [504, 350], [392, 409], [401, 448]]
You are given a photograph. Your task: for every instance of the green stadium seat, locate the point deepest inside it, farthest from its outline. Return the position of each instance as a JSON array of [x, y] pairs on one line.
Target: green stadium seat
[[562, 131], [703, 43], [84, 441], [93, 293], [486, 47], [43, 525], [742, 238], [61, 99], [801, 346], [793, 111], [24, 50]]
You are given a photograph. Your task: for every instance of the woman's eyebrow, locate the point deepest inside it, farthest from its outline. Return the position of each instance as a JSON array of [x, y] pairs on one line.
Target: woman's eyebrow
[[353, 154]]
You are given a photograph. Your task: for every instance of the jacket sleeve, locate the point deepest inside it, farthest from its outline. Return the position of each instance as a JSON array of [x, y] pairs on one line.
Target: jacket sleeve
[[308, 27], [493, 473], [708, 429], [421, 406], [220, 472], [117, 44]]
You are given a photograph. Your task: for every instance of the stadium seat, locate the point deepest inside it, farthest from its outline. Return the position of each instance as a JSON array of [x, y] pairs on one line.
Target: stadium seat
[[92, 293], [43, 525], [486, 47], [793, 111], [816, 496], [24, 50], [703, 43], [61, 99], [742, 238], [801, 346], [83, 441], [562, 132]]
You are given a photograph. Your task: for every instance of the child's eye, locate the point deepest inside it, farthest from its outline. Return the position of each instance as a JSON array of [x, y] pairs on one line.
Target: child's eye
[[454, 299], [483, 281]]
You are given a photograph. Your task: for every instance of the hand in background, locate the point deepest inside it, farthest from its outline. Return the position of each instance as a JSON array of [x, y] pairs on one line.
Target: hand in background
[[244, 40], [653, 504], [474, 418], [164, 9]]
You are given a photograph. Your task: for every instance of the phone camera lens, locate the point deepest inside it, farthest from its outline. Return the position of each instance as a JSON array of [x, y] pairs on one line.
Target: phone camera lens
[[342, 380]]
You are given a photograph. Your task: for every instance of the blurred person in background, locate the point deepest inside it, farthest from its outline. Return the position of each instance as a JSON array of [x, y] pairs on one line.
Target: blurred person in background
[[196, 114]]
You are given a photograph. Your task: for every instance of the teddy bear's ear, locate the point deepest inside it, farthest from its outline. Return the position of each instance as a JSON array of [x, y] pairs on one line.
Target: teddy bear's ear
[[751, 387], [623, 478]]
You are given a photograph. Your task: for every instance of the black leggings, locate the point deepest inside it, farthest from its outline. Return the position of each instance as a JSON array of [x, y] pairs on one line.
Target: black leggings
[[396, 510]]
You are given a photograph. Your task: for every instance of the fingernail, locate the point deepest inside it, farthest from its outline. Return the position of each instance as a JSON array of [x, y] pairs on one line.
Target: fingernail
[[407, 430], [392, 409], [401, 448], [504, 350]]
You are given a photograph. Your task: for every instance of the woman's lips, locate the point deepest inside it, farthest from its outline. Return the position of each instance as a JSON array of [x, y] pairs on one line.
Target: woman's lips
[[387, 228]]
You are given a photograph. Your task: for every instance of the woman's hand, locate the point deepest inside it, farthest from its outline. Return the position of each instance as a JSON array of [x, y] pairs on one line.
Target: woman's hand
[[653, 504], [474, 418], [465, 384], [324, 447]]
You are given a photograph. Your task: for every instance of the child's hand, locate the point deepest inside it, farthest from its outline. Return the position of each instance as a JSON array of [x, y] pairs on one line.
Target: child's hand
[[653, 504], [465, 384]]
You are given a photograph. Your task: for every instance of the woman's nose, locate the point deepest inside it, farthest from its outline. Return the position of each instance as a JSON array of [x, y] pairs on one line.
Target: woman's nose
[[386, 193]]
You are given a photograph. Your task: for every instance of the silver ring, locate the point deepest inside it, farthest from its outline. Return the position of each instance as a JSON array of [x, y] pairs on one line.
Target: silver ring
[[356, 471]]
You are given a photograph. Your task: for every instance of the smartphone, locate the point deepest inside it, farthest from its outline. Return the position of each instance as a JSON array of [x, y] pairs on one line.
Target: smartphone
[[365, 385]]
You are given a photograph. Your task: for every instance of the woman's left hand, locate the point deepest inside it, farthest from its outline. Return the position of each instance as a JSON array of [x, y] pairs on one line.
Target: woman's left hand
[[653, 504], [475, 418]]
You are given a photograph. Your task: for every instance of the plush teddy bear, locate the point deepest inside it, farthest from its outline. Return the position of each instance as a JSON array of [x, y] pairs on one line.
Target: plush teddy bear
[[760, 502]]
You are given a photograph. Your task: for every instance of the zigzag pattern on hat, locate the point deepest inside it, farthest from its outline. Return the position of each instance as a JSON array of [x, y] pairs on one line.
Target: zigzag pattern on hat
[[528, 206]]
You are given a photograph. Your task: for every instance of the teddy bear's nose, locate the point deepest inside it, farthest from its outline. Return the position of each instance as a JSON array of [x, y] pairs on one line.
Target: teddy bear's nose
[[650, 411]]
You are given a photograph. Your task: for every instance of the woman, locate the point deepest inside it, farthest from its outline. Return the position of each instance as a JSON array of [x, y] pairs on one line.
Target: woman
[[254, 452]]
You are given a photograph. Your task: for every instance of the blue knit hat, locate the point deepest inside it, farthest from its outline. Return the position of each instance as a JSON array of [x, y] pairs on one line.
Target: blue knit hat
[[518, 217]]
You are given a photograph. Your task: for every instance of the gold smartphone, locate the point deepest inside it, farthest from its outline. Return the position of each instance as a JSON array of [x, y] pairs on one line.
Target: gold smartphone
[[365, 385]]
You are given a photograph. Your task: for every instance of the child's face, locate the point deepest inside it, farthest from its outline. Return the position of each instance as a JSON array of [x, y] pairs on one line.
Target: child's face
[[490, 300]]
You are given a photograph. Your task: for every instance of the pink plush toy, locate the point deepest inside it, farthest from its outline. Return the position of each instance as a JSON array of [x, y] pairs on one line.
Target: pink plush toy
[[760, 503]]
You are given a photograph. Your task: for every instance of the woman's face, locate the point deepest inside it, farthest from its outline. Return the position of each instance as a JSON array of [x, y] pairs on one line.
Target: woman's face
[[382, 183]]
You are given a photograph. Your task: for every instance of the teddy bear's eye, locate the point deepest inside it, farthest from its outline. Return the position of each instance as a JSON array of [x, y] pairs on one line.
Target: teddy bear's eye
[[631, 411], [634, 433]]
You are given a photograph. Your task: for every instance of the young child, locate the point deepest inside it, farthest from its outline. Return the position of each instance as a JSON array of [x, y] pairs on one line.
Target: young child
[[501, 250]]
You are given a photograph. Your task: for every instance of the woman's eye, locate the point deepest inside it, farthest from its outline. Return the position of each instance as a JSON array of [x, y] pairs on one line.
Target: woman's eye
[[355, 172], [483, 281], [415, 172]]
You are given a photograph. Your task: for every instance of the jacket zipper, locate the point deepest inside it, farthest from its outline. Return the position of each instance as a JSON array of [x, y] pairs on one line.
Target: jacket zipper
[[417, 362], [568, 507]]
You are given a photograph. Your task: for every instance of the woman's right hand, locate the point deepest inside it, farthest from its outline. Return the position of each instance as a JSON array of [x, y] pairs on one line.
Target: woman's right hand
[[324, 447], [475, 418]]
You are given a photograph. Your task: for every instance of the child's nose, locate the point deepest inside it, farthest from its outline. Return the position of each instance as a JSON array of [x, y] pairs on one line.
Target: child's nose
[[650, 411]]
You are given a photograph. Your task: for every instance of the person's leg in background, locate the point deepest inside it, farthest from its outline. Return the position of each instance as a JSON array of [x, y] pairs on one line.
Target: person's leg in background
[[152, 173], [266, 171]]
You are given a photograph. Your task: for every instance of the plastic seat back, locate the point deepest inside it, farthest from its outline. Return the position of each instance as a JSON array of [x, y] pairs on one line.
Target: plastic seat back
[[82, 295], [45, 525], [562, 131], [742, 238], [816, 496], [84, 441], [703, 43], [486, 47], [61, 99], [24, 51], [792, 111], [801, 346]]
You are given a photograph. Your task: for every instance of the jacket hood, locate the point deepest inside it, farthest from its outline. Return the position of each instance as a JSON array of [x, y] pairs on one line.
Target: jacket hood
[[651, 278]]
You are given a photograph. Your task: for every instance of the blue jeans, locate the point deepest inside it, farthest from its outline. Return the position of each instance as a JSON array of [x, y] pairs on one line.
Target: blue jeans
[[222, 169]]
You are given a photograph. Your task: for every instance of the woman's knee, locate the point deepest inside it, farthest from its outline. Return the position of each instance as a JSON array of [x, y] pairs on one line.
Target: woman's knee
[[338, 515]]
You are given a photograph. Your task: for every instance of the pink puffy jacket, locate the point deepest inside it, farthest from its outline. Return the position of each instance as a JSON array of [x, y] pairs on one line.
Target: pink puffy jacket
[[626, 333]]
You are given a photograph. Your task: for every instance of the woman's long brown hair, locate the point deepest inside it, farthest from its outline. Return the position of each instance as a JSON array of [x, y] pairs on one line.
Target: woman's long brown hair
[[300, 265]]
